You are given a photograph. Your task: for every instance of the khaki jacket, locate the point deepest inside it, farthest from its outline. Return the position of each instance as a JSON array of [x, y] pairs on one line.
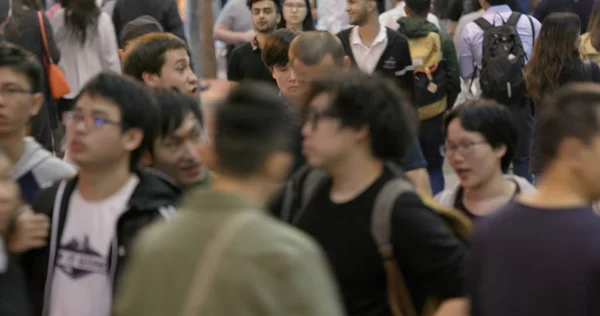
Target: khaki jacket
[[267, 268]]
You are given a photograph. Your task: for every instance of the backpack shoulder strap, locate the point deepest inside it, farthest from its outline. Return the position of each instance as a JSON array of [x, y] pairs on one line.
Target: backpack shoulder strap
[[399, 297], [513, 19], [312, 182], [588, 74], [483, 23]]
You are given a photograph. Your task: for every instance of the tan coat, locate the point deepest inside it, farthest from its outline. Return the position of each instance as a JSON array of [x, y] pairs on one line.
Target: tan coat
[[587, 50]]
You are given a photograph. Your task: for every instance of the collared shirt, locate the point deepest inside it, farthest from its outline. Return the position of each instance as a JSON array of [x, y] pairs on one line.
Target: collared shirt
[[368, 57], [332, 16], [471, 44], [390, 18]]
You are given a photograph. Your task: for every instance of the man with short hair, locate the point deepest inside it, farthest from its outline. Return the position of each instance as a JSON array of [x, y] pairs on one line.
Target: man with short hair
[[375, 48], [356, 125], [181, 131], [261, 266], [245, 61], [275, 57], [317, 53], [97, 215], [540, 253], [390, 17], [497, 12], [161, 60]]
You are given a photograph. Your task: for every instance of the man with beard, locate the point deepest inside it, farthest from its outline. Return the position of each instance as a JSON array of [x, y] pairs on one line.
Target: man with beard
[[245, 61]]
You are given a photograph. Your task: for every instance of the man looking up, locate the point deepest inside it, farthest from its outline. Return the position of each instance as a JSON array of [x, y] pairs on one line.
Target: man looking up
[[245, 61], [316, 53]]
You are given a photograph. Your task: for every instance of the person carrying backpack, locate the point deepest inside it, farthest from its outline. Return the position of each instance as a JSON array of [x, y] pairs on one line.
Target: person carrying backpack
[[390, 251], [494, 49], [436, 81]]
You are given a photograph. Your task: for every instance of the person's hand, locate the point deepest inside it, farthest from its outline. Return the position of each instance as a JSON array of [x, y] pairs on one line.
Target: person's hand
[[249, 36], [30, 231], [10, 200]]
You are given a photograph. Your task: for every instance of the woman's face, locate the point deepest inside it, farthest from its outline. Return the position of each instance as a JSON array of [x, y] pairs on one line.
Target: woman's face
[[294, 12], [471, 156]]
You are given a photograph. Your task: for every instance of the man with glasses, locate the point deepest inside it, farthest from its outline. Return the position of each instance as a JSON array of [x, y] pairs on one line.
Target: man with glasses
[[181, 130], [97, 215]]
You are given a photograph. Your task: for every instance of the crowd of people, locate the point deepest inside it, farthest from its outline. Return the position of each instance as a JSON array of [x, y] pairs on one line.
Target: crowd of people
[[311, 181]]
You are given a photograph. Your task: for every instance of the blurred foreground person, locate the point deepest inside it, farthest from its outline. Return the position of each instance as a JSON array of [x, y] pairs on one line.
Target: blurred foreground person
[[222, 254], [539, 255]]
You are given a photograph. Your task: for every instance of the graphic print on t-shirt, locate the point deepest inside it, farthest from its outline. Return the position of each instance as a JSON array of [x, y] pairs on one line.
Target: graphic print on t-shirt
[[77, 258]]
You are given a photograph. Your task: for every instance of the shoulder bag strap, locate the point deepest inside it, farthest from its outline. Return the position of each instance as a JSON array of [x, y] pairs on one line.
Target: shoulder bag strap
[[44, 39], [210, 260], [513, 19], [483, 23], [311, 184], [399, 297]]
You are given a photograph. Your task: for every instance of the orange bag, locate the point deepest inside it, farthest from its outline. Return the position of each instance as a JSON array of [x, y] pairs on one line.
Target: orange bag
[[59, 86]]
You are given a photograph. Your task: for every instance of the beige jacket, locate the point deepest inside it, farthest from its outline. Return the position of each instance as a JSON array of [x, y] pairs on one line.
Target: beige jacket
[[266, 269], [587, 50]]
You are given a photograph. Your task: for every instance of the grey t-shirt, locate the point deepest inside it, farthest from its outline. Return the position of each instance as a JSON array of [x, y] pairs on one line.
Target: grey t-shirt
[[236, 16]]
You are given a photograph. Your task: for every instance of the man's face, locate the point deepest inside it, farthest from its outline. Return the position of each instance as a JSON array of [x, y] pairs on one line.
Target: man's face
[[17, 102], [286, 81], [326, 141], [176, 154], [305, 74], [265, 16], [357, 11], [95, 136], [176, 73]]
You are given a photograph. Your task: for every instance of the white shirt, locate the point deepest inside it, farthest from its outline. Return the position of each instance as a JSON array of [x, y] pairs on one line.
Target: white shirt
[[332, 16], [367, 57], [389, 18], [82, 283]]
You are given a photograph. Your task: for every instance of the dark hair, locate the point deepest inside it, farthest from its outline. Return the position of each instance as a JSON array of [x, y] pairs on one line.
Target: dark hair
[[138, 106], [307, 25], [80, 16], [251, 124], [276, 48], [141, 26], [22, 61], [174, 108], [594, 26], [497, 2], [249, 3], [370, 100], [419, 7], [148, 53], [571, 112], [553, 52], [17, 6], [311, 47], [492, 120]]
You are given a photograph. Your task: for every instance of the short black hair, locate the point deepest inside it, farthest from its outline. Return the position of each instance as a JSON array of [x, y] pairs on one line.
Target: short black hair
[[138, 106], [492, 120], [571, 112], [174, 108], [22, 61], [376, 102], [148, 53], [251, 124], [497, 2], [141, 26], [276, 48], [249, 3], [419, 7]]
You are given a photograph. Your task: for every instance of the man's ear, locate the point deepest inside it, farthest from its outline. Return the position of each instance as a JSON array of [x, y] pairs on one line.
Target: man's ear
[[38, 102], [132, 139], [347, 63], [146, 159], [151, 80], [278, 18]]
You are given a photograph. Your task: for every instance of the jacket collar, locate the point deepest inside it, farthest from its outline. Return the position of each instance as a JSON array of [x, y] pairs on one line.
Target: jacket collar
[[209, 200]]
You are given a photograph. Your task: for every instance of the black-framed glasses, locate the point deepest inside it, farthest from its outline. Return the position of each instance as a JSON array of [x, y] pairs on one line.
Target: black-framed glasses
[[462, 148], [11, 92], [91, 122], [315, 116]]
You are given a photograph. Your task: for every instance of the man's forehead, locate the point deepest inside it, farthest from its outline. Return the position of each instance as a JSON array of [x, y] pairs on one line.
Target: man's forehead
[[326, 63], [265, 4], [11, 77], [96, 103]]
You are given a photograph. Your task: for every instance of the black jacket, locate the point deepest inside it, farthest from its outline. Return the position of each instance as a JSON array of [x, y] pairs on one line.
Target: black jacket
[[153, 198], [164, 11], [395, 62]]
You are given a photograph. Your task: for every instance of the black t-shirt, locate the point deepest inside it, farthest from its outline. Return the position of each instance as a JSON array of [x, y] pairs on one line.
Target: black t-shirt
[[532, 261], [432, 260], [245, 63]]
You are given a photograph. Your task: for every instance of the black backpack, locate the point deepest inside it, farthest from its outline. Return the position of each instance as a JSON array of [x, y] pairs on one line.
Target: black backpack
[[503, 61]]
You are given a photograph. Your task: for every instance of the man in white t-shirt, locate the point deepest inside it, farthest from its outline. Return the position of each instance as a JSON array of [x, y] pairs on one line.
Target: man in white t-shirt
[[96, 216]]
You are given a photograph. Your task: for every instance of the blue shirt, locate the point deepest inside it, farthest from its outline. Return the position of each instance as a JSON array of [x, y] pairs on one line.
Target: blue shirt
[[471, 43]]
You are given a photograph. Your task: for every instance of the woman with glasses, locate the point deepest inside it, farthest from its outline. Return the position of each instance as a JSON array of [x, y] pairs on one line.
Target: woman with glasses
[[481, 138], [297, 16]]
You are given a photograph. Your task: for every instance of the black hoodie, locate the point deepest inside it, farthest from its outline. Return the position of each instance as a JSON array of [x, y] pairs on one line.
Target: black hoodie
[[154, 197]]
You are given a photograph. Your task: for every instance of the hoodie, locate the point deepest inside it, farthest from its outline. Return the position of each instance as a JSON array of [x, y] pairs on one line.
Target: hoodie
[[416, 28], [38, 169], [154, 198]]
